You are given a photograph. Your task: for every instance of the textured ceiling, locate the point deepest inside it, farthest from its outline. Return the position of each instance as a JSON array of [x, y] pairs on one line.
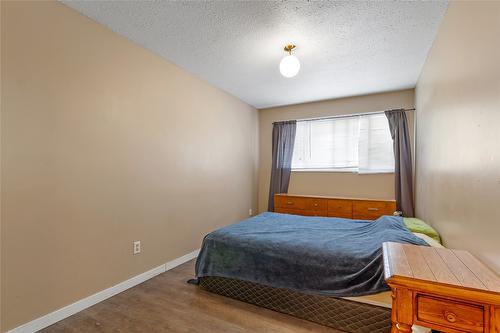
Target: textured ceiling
[[345, 48]]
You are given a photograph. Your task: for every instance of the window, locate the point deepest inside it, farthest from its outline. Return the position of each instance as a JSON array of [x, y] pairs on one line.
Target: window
[[360, 144]]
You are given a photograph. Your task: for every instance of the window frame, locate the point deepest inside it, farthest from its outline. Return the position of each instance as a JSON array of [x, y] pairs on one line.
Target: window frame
[[346, 170]]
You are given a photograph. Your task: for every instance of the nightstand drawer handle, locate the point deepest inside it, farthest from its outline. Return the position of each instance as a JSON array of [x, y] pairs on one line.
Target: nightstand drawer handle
[[373, 209], [315, 205], [289, 203], [450, 316]]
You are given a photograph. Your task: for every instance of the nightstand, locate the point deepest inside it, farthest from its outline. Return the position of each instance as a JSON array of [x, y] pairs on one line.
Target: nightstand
[[443, 289]]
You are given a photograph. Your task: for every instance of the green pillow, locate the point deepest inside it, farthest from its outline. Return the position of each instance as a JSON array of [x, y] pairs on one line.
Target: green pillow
[[417, 225]]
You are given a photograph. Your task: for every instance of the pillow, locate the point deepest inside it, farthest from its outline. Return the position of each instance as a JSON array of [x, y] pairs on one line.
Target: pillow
[[431, 241], [417, 225]]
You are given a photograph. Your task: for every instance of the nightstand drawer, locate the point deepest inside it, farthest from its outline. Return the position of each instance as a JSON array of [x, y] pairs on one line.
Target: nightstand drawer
[[450, 314]]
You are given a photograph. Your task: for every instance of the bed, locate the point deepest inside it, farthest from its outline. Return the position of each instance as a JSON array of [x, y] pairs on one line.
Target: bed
[[326, 270]]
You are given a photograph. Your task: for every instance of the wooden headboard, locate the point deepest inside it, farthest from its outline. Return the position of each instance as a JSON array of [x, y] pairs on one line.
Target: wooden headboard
[[362, 209]]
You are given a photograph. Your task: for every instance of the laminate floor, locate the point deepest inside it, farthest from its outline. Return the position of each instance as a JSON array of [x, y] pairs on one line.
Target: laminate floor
[[167, 303]]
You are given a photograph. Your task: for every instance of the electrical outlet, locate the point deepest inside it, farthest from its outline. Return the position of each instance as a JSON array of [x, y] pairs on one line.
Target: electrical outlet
[[137, 247], [250, 212]]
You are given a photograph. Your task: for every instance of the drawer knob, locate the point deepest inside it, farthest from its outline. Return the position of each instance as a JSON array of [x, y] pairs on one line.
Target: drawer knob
[[373, 209], [450, 316], [315, 205], [289, 203]]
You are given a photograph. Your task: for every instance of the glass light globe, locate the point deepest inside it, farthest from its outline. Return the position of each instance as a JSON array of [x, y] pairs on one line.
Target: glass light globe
[[289, 66]]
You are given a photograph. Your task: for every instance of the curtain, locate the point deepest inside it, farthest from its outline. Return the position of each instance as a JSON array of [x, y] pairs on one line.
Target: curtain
[[282, 150], [398, 125]]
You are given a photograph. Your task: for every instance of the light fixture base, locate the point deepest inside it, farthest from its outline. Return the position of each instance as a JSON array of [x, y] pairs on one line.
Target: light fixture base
[[289, 48]]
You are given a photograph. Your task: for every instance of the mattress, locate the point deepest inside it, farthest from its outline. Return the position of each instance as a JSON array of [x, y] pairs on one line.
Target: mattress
[[338, 313], [361, 314], [321, 255], [365, 314]]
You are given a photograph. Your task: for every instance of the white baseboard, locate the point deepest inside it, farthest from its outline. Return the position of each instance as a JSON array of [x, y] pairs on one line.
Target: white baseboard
[[65, 312], [179, 261]]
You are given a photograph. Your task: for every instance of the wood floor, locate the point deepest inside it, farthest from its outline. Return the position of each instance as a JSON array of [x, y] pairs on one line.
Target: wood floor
[[167, 303]]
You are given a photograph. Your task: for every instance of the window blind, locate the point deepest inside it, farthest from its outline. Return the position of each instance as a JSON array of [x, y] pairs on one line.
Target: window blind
[[360, 144]]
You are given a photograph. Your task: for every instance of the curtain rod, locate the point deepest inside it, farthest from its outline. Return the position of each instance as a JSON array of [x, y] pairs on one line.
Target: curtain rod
[[347, 115]]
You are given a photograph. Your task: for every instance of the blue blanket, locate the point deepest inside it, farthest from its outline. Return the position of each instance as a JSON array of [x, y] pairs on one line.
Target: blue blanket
[[321, 255]]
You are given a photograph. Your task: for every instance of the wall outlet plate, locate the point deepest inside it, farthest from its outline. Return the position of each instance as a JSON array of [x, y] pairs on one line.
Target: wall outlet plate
[[250, 212], [137, 247]]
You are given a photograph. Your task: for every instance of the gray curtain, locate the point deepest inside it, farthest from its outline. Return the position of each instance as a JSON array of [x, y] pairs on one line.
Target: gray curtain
[[403, 173], [283, 141]]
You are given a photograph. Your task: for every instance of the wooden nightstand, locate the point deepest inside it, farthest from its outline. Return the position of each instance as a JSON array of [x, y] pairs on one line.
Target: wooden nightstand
[[443, 289]]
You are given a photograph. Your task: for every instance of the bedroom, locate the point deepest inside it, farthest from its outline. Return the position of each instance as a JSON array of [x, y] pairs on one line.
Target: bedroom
[[151, 122]]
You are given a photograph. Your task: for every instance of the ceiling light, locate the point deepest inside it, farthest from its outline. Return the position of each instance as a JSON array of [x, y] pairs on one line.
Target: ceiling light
[[289, 65]]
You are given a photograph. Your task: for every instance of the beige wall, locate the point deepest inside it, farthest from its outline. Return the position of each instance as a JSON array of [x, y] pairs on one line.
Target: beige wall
[[458, 131], [0, 177], [379, 186], [104, 143]]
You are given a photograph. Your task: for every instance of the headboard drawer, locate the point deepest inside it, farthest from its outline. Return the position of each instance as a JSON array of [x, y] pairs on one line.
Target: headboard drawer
[[340, 208], [290, 202], [372, 209], [308, 205], [315, 204]]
